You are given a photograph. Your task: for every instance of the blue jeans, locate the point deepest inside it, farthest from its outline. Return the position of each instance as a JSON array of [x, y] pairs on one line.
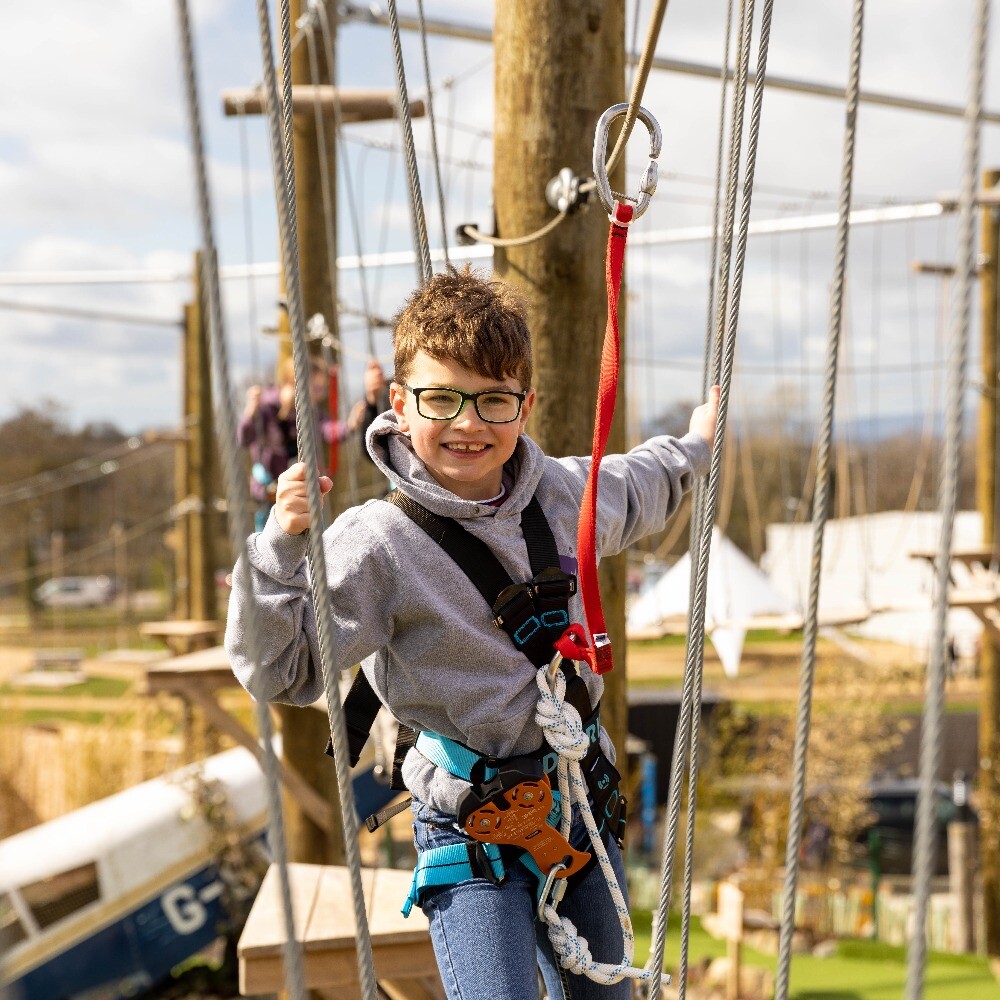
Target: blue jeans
[[488, 943]]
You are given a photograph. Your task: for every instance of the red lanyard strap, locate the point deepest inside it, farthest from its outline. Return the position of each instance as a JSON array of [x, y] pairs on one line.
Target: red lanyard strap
[[598, 648], [593, 645]]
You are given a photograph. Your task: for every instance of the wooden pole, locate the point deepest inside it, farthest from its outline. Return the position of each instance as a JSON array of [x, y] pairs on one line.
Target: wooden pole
[[986, 499], [182, 487], [304, 730], [558, 68], [356, 105], [201, 467], [962, 881]]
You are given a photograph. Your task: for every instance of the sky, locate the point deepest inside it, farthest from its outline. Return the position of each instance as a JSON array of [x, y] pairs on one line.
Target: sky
[[95, 173]]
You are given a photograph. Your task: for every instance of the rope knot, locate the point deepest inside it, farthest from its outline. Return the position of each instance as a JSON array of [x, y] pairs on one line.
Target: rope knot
[[559, 721]]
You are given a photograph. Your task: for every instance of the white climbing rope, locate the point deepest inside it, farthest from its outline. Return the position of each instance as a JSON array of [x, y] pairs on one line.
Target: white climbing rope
[[564, 732]]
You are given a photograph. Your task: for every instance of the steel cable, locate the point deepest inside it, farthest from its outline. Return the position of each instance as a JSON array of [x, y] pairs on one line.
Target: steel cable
[[698, 525], [352, 206], [698, 520], [418, 218], [696, 630], [820, 512], [930, 734], [282, 151], [433, 124], [236, 489], [639, 79]]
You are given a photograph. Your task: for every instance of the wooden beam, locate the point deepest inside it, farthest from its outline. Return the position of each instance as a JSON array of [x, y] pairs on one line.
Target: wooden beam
[[356, 105], [308, 798]]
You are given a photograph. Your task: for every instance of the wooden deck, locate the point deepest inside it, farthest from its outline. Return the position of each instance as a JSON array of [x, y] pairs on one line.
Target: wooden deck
[[182, 635], [324, 923]]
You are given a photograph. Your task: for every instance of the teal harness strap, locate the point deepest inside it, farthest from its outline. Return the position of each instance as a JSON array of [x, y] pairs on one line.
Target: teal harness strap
[[453, 757], [449, 865]]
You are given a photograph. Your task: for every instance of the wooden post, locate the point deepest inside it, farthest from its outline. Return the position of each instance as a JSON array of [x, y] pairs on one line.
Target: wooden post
[[121, 579], [201, 467], [731, 917], [181, 533], [986, 499], [558, 68], [57, 552], [304, 730], [961, 879], [355, 105]]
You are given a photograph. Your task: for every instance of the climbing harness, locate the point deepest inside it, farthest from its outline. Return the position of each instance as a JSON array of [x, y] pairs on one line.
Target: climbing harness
[[596, 647]]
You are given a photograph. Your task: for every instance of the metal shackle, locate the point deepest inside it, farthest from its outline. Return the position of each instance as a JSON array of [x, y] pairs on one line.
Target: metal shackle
[[648, 183]]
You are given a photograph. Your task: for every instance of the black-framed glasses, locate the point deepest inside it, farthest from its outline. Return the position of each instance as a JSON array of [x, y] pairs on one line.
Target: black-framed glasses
[[494, 406]]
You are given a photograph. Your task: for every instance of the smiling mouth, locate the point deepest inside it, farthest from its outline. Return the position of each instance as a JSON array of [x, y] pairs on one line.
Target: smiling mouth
[[459, 448]]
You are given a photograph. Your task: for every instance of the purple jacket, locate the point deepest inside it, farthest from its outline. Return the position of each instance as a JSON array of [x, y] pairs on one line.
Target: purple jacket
[[271, 439]]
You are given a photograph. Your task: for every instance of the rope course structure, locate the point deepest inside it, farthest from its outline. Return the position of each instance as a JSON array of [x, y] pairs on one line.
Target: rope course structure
[[729, 234]]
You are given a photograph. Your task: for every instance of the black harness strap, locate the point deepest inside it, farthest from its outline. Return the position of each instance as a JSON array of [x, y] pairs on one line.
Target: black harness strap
[[547, 595]]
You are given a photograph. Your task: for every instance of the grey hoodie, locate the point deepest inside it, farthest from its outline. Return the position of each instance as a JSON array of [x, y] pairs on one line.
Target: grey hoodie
[[422, 632]]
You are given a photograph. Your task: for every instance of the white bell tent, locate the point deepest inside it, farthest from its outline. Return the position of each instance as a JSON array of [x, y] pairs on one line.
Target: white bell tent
[[739, 597]]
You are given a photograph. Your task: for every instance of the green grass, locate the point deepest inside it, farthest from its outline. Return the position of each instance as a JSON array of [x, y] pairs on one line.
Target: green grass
[[93, 687], [861, 970], [753, 637], [36, 717]]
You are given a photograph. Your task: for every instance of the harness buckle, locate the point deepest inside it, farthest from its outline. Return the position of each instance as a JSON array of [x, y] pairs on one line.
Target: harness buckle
[[649, 178], [515, 602]]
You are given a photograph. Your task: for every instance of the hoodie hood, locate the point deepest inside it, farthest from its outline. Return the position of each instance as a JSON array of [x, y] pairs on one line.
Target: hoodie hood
[[394, 456]]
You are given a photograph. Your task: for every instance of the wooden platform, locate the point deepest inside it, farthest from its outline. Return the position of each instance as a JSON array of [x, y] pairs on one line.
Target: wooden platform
[[324, 923], [178, 635]]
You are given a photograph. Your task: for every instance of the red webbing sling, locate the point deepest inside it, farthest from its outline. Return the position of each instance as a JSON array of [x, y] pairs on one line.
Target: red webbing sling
[[595, 646]]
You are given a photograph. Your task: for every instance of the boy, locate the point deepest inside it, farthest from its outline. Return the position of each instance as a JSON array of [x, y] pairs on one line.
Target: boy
[[453, 441]]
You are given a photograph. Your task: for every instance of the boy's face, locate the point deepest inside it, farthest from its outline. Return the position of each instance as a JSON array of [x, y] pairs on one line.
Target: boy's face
[[465, 455]]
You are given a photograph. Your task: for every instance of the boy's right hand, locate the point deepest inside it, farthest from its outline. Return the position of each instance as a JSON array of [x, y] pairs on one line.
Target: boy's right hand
[[291, 502]]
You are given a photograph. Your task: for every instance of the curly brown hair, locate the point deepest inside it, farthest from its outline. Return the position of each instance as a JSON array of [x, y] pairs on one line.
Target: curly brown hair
[[465, 317]]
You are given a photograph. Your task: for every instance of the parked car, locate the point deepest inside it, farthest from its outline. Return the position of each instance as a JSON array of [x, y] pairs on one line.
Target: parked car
[[894, 804], [76, 592], [889, 838]]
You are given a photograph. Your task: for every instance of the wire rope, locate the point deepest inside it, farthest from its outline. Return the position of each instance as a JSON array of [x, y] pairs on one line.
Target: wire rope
[[696, 631], [329, 338], [638, 83], [820, 511], [80, 471], [697, 515], [352, 205], [279, 117], [930, 731], [255, 364], [81, 312], [237, 490], [433, 126], [144, 527], [418, 218]]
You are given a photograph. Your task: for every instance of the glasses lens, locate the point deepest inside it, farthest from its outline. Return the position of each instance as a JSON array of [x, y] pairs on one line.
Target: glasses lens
[[498, 407], [438, 404]]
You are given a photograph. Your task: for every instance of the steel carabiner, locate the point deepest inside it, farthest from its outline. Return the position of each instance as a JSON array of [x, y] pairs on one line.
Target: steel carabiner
[[648, 183]]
